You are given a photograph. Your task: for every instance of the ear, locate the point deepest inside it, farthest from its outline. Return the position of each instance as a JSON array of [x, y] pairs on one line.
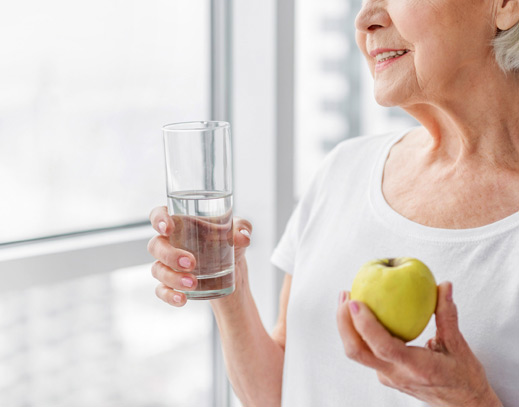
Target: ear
[[507, 14]]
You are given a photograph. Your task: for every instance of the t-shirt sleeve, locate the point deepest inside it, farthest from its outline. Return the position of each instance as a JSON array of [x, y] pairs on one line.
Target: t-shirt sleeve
[[284, 254]]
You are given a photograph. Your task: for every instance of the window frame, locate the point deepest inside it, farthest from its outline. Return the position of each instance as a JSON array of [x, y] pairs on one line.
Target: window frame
[[54, 259], [263, 137], [221, 109]]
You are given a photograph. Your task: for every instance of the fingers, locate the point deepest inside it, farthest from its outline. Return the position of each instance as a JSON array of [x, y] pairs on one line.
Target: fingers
[[447, 320], [170, 296], [177, 259], [354, 346], [242, 233], [383, 345], [161, 221], [173, 279]]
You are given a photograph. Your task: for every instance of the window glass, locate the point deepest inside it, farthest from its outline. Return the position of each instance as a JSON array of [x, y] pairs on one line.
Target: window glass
[[334, 89], [103, 340], [86, 87]]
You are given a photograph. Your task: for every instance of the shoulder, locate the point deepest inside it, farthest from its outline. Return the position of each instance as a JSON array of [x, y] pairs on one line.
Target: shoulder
[[351, 160], [367, 143], [361, 151]]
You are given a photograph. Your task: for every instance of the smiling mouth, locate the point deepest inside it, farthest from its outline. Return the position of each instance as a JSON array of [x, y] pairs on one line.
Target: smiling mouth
[[385, 56]]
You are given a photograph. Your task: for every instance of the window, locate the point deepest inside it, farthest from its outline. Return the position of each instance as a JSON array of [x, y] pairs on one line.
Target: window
[[103, 340], [333, 86], [86, 88]]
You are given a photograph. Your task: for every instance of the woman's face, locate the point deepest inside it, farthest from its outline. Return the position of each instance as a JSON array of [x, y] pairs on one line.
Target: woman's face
[[436, 47]]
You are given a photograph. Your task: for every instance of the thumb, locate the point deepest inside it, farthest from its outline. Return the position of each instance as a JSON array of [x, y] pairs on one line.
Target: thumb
[[241, 233], [447, 320]]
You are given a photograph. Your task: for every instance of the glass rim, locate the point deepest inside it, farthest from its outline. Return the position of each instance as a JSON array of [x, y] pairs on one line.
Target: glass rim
[[201, 125]]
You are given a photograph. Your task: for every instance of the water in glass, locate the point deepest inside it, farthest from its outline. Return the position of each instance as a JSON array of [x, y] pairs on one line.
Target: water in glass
[[203, 226]]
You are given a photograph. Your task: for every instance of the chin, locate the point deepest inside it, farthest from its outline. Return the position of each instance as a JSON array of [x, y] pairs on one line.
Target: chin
[[398, 90], [387, 100], [388, 96], [385, 103]]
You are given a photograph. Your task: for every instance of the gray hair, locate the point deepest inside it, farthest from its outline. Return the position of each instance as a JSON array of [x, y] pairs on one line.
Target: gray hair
[[506, 48]]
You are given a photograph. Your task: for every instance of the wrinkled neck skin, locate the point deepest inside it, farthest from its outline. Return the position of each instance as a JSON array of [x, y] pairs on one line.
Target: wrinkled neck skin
[[476, 121]]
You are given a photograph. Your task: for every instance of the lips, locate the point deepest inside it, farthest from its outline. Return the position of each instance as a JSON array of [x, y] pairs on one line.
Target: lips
[[385, 56]]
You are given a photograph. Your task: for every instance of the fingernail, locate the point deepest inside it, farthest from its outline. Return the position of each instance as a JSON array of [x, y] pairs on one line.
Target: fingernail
[[162, 227], [354, 307], [177, 298], [342, 297], [184, 262], [187, 282], [449, 293], [245, 232]]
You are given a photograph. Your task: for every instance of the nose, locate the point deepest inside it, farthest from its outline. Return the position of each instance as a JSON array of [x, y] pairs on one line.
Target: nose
[[372, 16]]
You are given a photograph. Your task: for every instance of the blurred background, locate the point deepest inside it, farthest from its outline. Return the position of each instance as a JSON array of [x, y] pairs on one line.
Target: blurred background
[[84, 91]]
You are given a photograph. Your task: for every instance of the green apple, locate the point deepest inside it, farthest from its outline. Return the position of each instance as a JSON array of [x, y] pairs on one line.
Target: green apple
[[401, 292]]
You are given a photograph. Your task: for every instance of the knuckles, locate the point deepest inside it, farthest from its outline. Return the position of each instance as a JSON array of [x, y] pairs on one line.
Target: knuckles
[[162, 292], [451, 317], [160, 251], [356, 354], [157, 212], [385, 352], [155, 269], [158, 292], [152, 246], [386, 381], [160, 272], [352, 352]]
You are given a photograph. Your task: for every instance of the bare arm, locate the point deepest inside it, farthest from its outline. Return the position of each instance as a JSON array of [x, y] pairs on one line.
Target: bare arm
[[254, 358]]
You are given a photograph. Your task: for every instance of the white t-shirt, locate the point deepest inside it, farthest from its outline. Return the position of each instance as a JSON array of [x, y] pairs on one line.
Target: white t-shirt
[[342, 222]]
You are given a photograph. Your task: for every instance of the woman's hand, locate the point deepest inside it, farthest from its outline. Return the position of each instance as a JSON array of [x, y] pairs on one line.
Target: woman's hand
[[444, 373], [174, 266]]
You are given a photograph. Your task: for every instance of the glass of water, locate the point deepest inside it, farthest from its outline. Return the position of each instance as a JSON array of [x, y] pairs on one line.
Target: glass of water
[[199, 189]]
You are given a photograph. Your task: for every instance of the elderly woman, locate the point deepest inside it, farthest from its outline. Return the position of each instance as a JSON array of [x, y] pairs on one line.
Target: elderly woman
[[446, 193]]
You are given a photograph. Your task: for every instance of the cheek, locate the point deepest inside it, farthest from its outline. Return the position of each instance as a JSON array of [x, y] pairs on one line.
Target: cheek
[[415, 20], [413, 24], [437, 64], [430, 35], [360, 38]]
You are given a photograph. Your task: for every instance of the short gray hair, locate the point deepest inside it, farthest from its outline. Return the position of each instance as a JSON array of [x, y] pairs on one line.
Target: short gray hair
[[506, 48]]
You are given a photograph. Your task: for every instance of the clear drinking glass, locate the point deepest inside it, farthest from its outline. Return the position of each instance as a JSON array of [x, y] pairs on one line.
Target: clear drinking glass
[[199, 189]]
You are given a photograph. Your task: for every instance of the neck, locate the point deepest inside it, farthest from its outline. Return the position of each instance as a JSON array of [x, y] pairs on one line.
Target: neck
[[476, 120]]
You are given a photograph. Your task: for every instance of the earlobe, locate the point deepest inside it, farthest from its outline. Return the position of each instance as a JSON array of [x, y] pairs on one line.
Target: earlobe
[[507, 14]]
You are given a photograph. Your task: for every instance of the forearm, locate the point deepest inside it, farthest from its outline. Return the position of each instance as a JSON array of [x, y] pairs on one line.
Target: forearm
[[254, 360]]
